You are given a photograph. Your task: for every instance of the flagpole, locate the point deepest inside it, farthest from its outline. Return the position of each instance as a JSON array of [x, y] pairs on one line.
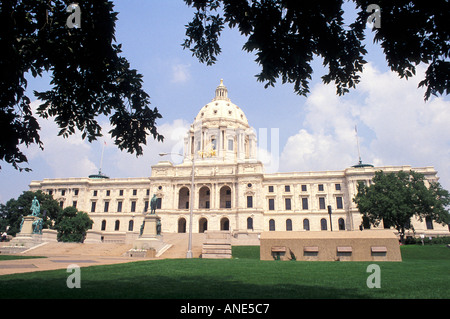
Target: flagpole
[[101, 159], [357, 143]]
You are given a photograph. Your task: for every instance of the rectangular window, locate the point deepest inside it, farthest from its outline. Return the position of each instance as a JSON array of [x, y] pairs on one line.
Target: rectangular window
[[320, 187], [304, 188], [228, 204], [119, 207], [133, 206], [61, 204], [287, 201], [271, 204], [105, 210], [93, 204], [121, 192], [75, 192], [304, 203], [74, 203], [337, 187], [63, 192], [339, 204], [287, 188], [108, 192], [249, 201], [159, 203], [206, 204], [321, 202], [148, 192], [270, 189], [134, 192], [95, 193], [230, 145], [146, 206]]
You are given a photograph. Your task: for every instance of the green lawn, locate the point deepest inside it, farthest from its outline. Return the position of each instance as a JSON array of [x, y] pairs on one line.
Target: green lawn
[[424, 273], [12, 257]]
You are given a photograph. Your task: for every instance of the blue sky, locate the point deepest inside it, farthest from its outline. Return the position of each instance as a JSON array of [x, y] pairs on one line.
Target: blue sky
[[395, 125]]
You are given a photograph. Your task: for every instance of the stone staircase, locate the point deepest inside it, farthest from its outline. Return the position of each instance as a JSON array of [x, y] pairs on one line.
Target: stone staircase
[[217, 245]]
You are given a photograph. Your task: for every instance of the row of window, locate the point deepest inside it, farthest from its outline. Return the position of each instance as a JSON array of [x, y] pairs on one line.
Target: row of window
[[287, 203], [120, 206], [304, 188], [95, 193], [305, 205], [323, 224]]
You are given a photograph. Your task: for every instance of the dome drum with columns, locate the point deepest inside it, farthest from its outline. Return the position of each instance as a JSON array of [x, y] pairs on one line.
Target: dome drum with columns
[[223, 127]]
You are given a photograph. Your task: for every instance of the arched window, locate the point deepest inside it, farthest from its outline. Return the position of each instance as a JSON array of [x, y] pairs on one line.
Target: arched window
[[117, 225], [202, 225], [271, 225], [323, 224], [130, 225], [181, 225], [103, 225], [204, 197], [224, 224], [306, 224], [183, 198], [341, 223], [288, 224], [250, 223], [225, 197]]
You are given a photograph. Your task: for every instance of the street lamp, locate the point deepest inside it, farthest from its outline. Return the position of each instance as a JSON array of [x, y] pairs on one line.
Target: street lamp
[[329, 213], [191, 204]]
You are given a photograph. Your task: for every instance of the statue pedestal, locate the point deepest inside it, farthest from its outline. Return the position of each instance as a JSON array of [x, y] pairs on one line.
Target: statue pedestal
[[150, 240], [27, 226], [150, 224], [25, 239]]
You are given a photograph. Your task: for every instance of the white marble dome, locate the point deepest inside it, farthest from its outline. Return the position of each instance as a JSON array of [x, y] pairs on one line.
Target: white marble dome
[[222, 111]]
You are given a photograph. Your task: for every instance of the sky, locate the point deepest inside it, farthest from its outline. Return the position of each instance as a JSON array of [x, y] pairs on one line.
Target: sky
[[314, 133]]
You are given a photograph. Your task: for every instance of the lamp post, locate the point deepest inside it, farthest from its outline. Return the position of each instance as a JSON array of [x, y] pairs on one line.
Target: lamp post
[[191, 204], [329, 213]]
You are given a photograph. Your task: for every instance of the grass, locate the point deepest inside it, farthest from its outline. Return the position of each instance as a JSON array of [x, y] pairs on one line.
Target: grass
[[12, 257], [422, 274]]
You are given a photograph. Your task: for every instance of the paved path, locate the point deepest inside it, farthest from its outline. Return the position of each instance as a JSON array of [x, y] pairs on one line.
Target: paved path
[[61, 255]]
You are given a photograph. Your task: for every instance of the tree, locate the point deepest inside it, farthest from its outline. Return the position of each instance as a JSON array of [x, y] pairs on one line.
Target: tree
[[89, 77], [72, 225], [12, 212], [395, 198], [287, 34]]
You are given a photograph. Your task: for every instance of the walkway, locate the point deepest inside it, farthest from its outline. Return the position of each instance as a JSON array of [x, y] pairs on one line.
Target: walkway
[[61, 255]]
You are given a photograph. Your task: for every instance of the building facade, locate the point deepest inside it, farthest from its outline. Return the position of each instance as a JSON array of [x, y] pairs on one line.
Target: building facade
[[231, 190]]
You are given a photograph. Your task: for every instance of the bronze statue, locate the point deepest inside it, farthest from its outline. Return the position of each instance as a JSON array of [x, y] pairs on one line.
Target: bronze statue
[[153, 204], [35, 207]]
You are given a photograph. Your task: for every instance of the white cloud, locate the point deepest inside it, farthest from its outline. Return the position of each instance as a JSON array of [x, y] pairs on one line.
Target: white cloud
[[180, 73], [75, 157], [67, 157], [400, 128], [124, 164]]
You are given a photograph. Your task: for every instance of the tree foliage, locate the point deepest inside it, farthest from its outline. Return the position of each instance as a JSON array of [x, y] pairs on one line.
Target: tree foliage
[[287, 34], [89, 78], [395, 198], [12, 212], [72, 225]]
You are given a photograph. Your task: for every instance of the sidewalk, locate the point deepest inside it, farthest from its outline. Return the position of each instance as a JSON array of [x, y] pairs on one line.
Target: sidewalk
[[61, 255]]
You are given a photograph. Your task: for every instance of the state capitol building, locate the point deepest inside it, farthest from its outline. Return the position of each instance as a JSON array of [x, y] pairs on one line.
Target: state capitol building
[[231, 190]]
